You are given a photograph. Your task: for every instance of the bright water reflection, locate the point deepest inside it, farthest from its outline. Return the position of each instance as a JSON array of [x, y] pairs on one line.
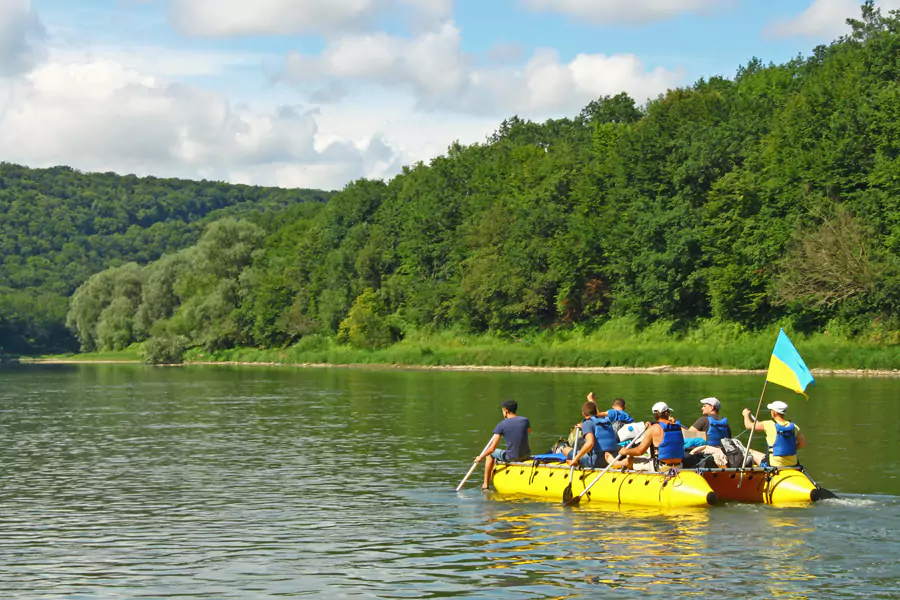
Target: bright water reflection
[[126, 482]]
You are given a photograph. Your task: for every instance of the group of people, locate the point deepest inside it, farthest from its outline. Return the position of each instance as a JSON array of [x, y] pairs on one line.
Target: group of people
[[599, 442]]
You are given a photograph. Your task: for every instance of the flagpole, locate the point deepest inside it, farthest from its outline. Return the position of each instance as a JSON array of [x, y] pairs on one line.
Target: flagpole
[[752, 429], [787, 369]]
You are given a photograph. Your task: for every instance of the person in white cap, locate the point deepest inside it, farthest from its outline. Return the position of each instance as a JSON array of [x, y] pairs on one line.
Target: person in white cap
[[664, 438], [710, 425], [783, 437]]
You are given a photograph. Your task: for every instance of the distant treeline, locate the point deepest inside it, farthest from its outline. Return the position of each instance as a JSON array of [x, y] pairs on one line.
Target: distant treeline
[[769, 198], [59, 226]]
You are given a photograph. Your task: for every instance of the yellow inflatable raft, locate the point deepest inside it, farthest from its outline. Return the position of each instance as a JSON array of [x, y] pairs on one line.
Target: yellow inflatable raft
[[777, 486], [549, 481]]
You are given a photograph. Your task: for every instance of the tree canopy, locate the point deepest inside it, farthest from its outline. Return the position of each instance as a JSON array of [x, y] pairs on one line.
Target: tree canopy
[[771, 197], [59, 226]]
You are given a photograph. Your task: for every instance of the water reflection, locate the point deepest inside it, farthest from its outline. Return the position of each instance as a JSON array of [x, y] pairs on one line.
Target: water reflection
[[249, 484], [632, 548], [787, 554]]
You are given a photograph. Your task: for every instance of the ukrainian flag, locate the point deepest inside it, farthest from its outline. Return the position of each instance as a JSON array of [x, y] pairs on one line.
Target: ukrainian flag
[[786, 368]]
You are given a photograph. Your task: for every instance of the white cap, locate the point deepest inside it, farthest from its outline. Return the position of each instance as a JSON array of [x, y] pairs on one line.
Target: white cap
[[778, 406], [660, 407], [714, 402]]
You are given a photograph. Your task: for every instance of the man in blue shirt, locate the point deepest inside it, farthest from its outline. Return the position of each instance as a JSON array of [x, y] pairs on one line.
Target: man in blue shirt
[[616, 415], [600, 444], [515, 430]]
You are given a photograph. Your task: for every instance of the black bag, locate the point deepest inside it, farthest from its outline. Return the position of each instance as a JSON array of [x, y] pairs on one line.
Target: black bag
[[559, 445], [734, 452]]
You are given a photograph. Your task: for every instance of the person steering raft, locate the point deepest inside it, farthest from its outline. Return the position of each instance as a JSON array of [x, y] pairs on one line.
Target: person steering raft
[[515, 430]]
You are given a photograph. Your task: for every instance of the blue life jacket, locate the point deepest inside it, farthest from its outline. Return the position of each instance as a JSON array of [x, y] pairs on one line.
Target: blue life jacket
[[718, 429], [605, 438], [785, 440], [672, 446]]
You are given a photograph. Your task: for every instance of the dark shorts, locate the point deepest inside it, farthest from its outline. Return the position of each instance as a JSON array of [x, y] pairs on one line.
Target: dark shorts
[[500, 455], [503, 456]]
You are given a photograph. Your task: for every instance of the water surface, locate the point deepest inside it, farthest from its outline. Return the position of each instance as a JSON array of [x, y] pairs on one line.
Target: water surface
[[221, 482]]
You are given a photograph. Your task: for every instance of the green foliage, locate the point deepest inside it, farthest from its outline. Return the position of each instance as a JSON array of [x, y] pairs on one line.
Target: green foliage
[[366, 325], [711, 344], [718, 211], [168, 350], [59, 226], [103, 308]]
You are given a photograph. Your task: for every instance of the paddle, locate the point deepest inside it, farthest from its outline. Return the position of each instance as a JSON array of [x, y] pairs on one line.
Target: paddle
[[577, 499], [567, 493], [472, 468]]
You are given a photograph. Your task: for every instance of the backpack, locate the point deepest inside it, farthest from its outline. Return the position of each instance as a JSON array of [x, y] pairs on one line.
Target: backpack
[[734, 451], [629, 431], [557, 447]]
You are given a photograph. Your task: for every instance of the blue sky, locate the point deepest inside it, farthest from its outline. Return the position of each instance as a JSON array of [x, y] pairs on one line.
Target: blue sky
[[314, 93]]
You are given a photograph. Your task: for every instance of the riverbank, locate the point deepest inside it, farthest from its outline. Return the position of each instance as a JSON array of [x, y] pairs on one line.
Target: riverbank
[[706, 350], [661, 369]]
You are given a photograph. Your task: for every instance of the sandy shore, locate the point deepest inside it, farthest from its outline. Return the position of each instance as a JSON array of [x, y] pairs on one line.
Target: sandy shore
[[662, 369]]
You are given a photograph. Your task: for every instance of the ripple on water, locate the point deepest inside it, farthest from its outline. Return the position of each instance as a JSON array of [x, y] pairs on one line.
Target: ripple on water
[[218, 484]]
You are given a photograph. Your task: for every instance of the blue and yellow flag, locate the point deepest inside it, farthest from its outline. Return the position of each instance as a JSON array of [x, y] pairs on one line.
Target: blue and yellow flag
[[786, 368]]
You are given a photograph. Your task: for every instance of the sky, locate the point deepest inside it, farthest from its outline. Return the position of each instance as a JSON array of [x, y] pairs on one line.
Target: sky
[[318, 93]]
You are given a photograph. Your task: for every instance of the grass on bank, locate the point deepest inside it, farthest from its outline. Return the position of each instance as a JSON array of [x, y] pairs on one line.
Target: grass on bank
[[129, 354], [617, 343]]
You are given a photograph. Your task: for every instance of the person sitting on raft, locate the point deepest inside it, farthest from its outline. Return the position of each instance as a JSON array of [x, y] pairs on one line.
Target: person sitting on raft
[[616, 415], [710, 424], [783, 437], [664, 439], [600, 444], [515, 430]]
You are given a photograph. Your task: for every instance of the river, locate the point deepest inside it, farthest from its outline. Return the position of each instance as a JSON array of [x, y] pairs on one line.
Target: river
[[126, 481]]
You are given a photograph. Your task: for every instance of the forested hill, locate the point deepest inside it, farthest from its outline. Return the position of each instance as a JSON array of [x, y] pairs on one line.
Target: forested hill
[[59, 226], [771, 197]]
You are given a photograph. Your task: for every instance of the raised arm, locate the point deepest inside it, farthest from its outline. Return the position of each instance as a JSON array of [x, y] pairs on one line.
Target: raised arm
[[748, 422]]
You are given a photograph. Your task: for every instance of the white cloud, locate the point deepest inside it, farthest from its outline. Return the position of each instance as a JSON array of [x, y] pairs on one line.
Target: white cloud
[[224, 18], [442, 77], [20, 33], [164, 62], [620, 11], [824, 18], [122, 107], [100, 115]]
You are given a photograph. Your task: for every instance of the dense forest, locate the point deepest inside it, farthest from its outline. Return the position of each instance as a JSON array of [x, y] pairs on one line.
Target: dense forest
[[770, 197], [58, 227]]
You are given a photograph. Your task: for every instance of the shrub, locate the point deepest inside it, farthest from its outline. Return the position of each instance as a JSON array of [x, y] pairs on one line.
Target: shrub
[[366, 326], [166, 350]]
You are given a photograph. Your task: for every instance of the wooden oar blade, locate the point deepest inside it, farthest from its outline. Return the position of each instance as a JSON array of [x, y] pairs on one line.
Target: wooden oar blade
[[573, 500]]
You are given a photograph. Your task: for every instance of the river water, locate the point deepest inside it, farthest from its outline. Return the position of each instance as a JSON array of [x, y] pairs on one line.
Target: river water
[[258, 482]]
